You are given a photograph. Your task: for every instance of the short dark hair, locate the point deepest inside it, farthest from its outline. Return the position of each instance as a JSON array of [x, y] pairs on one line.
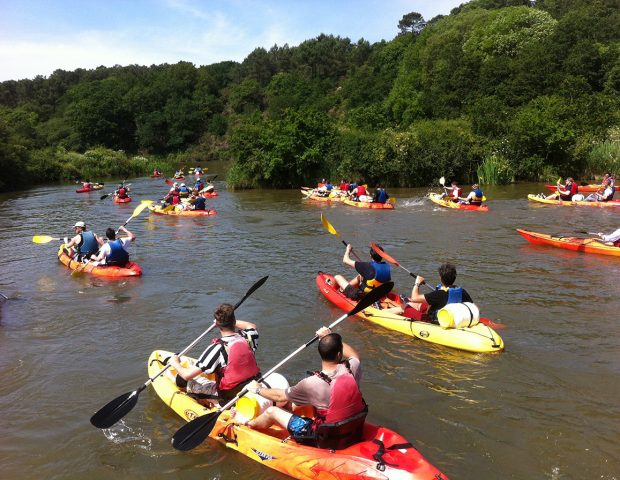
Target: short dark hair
[[330, 346], [110, 233], [447, 274], [225, 316], [374, 255]]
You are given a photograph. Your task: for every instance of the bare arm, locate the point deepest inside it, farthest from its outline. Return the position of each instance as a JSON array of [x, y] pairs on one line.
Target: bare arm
[[130, 235], [347, 260], [74, 241], [187, 373], [416, 296], [243, 325]]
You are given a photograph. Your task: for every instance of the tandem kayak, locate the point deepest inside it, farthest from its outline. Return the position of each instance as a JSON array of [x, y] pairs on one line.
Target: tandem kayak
[[371, 205], [210, 194], [382, 454], [582, 188], [586, 245], [118, 199], [131, 269], [310, 194], [159, 210], [97, 186], [479, 338], [436, 198], [566, 203]]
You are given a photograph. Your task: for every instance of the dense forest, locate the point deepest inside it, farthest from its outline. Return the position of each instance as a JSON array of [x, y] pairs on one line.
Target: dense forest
[[499, 90]]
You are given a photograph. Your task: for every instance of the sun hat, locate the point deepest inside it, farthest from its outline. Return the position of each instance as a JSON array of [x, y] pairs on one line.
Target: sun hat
[[79, 224]]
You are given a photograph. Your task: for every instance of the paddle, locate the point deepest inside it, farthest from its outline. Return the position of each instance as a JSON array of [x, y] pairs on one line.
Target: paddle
[[391, 260], [143, 204], [330, 228], [113, 411], [43, 239], [193, 433]]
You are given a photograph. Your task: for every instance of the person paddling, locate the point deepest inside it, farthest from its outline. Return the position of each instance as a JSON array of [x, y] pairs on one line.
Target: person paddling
[[370, 274], [453, 193], [570, 189], [380, 195], [474, 197], [230, 357], [606, 194], [86, 243], [115, 252], [445, 293], [333, 391], [121, 191], [611, 239]]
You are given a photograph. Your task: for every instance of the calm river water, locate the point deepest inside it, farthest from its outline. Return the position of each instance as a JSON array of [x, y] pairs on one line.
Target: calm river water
[[545, 408]]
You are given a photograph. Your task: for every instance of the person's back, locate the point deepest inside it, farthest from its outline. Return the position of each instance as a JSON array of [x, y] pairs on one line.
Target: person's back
[[200, 203]]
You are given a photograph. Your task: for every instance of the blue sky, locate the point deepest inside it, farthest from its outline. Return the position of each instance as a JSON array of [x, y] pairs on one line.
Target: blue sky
[[40, 36]]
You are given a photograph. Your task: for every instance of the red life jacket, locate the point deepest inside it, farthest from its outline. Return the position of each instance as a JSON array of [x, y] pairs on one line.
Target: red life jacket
[[175, 198], [241, 364], [122, 193], [345, 398], [361, 190], [456, 193], [617, 243]]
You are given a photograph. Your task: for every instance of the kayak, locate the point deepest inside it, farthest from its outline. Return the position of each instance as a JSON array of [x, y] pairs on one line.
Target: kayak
[[436, 198], [158, 210], [371, 205], [310, 194], [156, 176], [94, 187], [121, 200], [131, 269], [179, 178], [210, 194], [582, 188], [586, 245], [479, 338], [565, 203], [382, 454]]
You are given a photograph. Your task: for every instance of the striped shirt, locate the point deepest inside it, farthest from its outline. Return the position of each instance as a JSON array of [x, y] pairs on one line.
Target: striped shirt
[[215, 356]]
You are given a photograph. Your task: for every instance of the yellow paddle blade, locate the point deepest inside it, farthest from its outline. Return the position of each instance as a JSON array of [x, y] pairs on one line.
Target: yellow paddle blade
[[43, 239], [142, 206], [392, 200], [442, 180], [559, 181], [328, 226], [484, 199]]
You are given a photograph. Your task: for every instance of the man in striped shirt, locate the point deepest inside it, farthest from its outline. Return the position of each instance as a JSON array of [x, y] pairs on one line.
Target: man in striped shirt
[[230, 358]]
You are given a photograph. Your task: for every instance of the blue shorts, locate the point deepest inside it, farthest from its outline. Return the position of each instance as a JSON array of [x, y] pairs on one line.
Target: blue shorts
[[298, 425]]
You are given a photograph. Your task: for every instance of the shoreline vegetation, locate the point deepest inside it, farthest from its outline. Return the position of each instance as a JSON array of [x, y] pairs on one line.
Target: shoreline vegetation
[[495, 92]]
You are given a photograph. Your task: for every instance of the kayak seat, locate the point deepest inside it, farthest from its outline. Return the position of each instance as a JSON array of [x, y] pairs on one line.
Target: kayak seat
[[337, 435]]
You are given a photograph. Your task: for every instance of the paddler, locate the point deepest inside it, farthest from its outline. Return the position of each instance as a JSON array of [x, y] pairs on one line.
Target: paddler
[[230, 357], [611, 239], [380, 195], [454, 192], [371, 274], [605, 195], [474, 197], [121, 191], [333, 391], [199, 185], [570, 189], [85, 242], [445, 293], [115, 252]]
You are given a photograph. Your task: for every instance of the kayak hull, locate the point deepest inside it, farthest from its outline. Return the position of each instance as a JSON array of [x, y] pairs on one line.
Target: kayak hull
[[309, 194], [130, 270], [210, 194], [586, 245], [480, 338], [370, 205], [436, 198], [85, 190], [611, 203], [121, 200], [269, 447], [581, 189], [183, 213]]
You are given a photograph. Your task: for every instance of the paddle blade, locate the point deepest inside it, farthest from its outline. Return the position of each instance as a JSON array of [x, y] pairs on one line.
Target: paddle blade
[[104, 196], [194, 433], [392, 200], [168, 182], [373, 296], [442, 181], [383, 255], [251, 290], [328, 226], [139, 208], [113, 411], [43, 239]]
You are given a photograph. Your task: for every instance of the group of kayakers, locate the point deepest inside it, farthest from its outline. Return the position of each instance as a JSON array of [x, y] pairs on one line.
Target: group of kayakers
[[570, 191], [195, 197], [355, 191], [90, 247], [454, 194]]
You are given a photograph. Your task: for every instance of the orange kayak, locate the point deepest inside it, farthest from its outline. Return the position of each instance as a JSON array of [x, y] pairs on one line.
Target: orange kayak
[[210, 194], [158, 210], [382, 454], [586, 245], [121, 200], [130, 270], [371, 205]]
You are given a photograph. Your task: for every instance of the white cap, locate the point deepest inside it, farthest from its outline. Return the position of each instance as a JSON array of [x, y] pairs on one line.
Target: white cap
[[79, 224]]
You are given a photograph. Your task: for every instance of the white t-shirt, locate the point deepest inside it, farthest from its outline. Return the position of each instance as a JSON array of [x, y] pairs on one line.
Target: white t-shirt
[[125, 242]]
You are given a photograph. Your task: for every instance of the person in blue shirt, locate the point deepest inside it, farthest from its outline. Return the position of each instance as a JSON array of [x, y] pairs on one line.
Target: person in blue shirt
[[85, 242], [380, 196], [474, 197], [370, 274]]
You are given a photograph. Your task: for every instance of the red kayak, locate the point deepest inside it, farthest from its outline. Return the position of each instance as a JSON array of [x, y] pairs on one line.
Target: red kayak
[[156, 176], [121, 200], [585, 245], [96, 186], [582, 188], [210, 194]]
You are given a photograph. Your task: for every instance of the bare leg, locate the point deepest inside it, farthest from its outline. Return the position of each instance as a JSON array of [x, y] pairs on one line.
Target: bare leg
[[273, 415]]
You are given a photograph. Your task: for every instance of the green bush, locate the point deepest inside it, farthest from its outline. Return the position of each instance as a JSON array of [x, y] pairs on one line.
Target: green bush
[[495, 169]]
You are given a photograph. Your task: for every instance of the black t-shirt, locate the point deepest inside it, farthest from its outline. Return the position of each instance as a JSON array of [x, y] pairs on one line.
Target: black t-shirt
[[439, 299], [365, 269]]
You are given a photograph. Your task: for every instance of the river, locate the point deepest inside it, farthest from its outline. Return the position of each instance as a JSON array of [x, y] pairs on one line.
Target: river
[[546, 407]]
